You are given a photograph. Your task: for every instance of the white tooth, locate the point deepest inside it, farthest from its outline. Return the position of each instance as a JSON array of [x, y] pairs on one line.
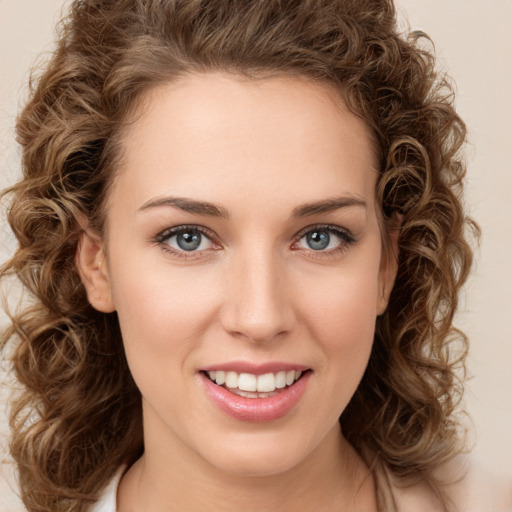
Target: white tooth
[[212, 375], [245, 394], [290, 377], [220, 377], [297, 374], [280, 380], [266, 383], [266, 395], [247, 382], [231, 379]]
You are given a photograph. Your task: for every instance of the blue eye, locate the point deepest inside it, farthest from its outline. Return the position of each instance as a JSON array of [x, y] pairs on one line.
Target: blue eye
[[185, 239], [318, 240], [189, 241], [324, 239]]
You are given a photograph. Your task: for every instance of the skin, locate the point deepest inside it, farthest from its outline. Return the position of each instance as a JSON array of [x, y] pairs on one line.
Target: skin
[[255, 290]]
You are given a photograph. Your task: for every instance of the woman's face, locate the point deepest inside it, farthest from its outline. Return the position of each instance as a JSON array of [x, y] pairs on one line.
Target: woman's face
[[243, 240]]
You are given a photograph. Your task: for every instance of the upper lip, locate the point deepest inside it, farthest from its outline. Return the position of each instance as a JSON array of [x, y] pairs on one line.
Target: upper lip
[[255, 368]]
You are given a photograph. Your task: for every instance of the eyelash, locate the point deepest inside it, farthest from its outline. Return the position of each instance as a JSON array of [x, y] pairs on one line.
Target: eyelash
[[167, 234], [346, 239]]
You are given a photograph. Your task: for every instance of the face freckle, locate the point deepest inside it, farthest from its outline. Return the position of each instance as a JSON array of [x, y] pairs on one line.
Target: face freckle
[[243, 235]]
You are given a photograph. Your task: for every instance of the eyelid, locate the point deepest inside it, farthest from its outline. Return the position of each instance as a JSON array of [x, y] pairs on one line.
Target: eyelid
[[342, 232], [168, 232], [161, 238], [345, 236]]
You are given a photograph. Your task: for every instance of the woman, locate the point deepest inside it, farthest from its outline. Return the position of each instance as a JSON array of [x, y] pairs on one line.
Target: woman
[[241, 229]]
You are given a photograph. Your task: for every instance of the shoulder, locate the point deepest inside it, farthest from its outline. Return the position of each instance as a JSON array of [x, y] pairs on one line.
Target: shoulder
[[108, 499], [473, 488], [467, 485]]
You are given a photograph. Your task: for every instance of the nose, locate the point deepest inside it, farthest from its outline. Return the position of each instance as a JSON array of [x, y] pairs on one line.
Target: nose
[[257, 303]]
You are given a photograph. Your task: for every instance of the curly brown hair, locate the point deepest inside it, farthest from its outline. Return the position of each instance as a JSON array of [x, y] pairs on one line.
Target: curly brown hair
[[79, 415]]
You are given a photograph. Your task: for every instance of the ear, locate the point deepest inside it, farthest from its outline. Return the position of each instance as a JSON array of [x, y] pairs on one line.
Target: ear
[[388, 267], [92, 267]]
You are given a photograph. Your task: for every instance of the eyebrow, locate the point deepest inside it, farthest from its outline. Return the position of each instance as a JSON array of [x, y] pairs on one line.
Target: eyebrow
[[188, 205], [213, 210], [327, 205]]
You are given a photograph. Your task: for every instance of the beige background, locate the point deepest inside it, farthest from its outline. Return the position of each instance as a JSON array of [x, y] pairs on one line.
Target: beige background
[[474, 44]]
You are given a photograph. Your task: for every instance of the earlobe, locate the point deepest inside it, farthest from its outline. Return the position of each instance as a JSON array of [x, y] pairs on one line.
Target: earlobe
[[91, 264]]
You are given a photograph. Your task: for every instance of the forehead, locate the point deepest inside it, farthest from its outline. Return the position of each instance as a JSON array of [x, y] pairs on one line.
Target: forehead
[[220, 135]]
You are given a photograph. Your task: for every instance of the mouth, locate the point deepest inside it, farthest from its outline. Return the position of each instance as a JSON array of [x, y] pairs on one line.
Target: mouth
[[256, 393], [250, 385]]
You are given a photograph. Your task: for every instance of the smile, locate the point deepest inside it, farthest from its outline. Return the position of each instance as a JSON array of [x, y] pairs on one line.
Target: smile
[[256, 393], [250, 385]]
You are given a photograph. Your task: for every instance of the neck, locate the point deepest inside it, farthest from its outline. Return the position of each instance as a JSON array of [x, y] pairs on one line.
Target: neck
[[169, 478]]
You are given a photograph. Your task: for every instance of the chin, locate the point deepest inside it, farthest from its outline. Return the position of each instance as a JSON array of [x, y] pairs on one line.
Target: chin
[[256, 465], [258, 456]]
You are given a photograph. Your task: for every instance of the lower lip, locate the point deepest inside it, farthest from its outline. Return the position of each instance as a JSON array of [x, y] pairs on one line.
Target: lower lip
[[257, 410]]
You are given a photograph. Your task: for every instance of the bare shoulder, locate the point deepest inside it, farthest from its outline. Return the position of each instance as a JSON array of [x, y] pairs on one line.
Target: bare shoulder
[[468, 486], [474, 488]]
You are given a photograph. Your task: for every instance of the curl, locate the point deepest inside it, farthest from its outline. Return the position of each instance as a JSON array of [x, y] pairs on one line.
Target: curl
[[78, 416]]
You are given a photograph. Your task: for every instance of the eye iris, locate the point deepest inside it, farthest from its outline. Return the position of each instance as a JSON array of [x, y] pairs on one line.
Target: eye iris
[[318, 240], [189, 240]]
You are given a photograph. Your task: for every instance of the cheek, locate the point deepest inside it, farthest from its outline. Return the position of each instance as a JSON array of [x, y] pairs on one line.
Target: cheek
[[341, 316], [162, 314], [342, 311]]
